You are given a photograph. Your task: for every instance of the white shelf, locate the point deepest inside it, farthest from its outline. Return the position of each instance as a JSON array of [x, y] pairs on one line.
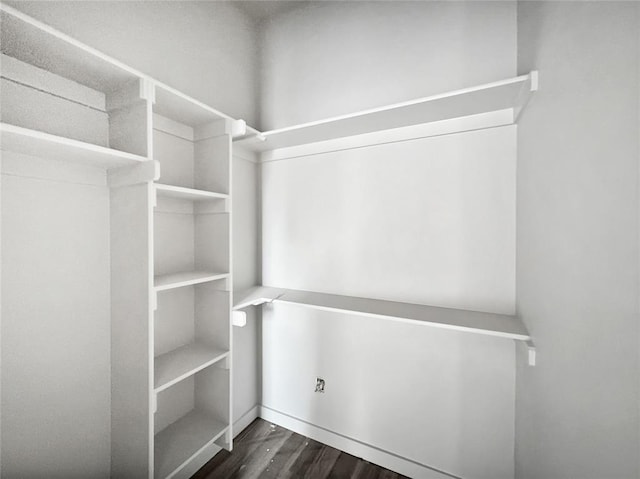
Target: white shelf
[[183, 362], [187, 278], [181, 441], [33, 42], [511, 94], [182, 193], [461, 320], [174, 104], [43, 145]]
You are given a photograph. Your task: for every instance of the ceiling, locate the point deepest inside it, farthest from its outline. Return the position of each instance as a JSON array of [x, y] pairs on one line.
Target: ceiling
[[261, 9]]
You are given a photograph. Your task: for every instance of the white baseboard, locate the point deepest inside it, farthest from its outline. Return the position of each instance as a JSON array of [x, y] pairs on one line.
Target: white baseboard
[[354, 447], [245, 420]]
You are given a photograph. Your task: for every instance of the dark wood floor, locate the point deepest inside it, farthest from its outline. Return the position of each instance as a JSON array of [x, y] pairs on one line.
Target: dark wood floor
[[265, 451]]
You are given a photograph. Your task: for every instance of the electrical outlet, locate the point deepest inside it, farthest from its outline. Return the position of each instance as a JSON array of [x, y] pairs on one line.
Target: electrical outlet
[[319, 385]]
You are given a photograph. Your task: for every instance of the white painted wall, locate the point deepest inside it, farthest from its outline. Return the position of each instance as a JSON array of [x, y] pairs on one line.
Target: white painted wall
[[330, 58], [430, 221], [578, 246], [55, 326], [205, 49]]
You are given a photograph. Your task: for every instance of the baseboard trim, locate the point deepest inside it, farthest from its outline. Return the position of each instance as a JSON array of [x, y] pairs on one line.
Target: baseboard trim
[[246, 419], [370, 453]]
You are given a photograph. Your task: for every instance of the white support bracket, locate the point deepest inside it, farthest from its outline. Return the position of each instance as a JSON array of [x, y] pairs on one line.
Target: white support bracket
[[525, 94], [154, 301], [239, 318], [531, 353], [154, 402], [143, 172]]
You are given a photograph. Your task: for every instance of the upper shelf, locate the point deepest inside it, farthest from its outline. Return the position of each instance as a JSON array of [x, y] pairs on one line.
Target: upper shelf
[[512, 93], [38, 44], [461, 320], [37, 143]]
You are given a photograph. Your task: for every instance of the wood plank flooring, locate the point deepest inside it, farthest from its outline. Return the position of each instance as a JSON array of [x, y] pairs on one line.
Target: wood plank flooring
[[267, 451]]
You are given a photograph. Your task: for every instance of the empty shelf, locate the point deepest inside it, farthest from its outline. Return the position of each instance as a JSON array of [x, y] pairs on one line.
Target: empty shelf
[[183, 362], [43, 145], [512, 93], [458, 319], [181, 441], [182, 193], [188, 278], [33, 42]]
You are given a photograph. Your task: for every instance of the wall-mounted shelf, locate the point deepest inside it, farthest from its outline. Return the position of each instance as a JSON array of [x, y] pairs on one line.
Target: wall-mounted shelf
[[187, 278], [183, 362], [512, 94], [43, 145], [40, 45], [179, 192], [457, 319]]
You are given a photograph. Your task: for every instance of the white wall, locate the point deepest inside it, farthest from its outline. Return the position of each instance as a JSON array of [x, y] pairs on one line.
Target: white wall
[[577, 279], [205, 49], [331, 58], [429, 221], [56, 417]]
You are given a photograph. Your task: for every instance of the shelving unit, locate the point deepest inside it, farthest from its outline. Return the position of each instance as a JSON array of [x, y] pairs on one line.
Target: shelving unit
[[192, 268], [170, 241], [511, 94]]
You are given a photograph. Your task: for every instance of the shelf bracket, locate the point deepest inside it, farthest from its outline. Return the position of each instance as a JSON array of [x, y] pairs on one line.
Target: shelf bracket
[[531, 353], [154, 402], [239, 318], [154, 300], [525, 94]]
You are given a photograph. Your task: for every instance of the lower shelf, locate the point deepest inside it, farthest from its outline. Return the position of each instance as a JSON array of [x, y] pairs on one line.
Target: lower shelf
[[181, 441], [491, 324]]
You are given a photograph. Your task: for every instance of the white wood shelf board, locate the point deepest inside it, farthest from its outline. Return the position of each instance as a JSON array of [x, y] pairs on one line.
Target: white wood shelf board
[[43, 145], [181, 441], [179, 107], [492, 324], [179, 364], [187, 278], [501, 95], [33, 42], [179, 192]]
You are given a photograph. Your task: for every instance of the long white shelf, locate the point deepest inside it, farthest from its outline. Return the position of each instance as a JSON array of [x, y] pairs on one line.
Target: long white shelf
[[36, 43], [180, 192], [181, 441], [43, 145], [174, 366], [512, 93], [461, 320], [187, 278]]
